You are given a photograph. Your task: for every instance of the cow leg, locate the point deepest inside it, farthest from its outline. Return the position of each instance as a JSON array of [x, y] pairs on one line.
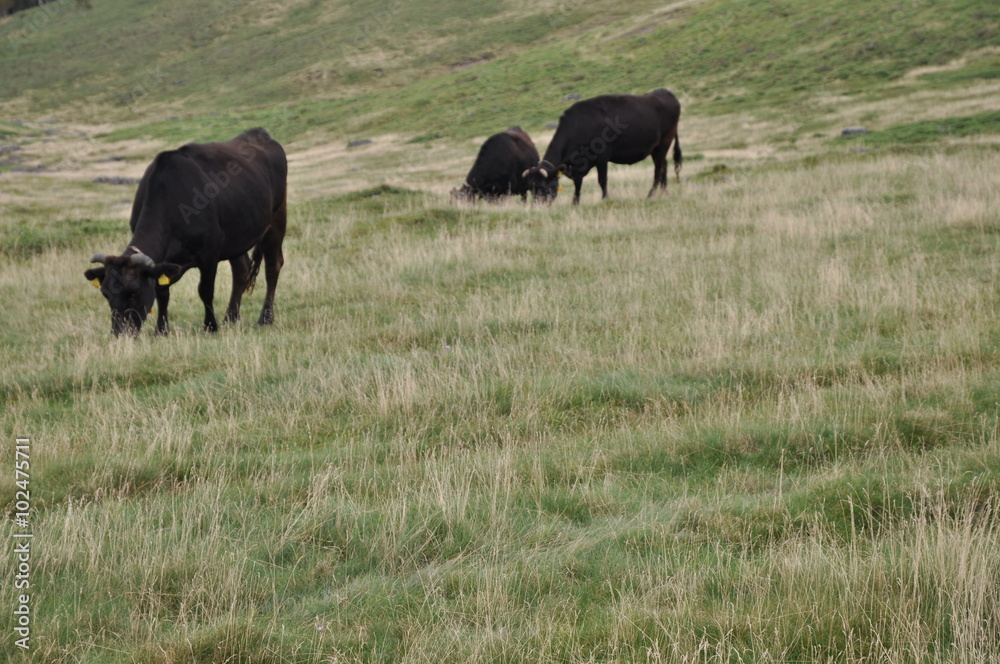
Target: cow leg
[[577, 184], [206, 291], [678, 155], [162, 300], [270, 247], [659, 155], [241, 274], [602, 178]]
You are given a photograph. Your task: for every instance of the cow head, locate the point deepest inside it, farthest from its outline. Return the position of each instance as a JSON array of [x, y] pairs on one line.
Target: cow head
[[129, 284], [543, 181], [463, 194]]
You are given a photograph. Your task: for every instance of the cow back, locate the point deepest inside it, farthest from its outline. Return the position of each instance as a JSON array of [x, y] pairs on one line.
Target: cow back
[[500, 162], [621, 129], [210, 201]]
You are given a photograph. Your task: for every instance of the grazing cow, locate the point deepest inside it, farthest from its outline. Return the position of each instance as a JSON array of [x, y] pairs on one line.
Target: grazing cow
[[498, 168], [196, 206], [621, 129]]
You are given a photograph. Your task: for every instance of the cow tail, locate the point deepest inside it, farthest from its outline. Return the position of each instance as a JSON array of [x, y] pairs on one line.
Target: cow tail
[[255, 261], [678, 157]]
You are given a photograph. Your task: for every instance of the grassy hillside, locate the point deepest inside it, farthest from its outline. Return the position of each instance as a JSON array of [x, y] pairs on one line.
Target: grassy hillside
[[185, 70], [754, 420]]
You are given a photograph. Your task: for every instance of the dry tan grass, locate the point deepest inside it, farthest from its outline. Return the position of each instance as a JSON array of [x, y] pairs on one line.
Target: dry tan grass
[[403, 452]]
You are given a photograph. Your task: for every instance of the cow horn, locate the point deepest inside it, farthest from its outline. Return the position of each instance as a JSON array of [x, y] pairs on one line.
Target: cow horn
[[545, 173], [141, 259], [525, 173], [98, 258]]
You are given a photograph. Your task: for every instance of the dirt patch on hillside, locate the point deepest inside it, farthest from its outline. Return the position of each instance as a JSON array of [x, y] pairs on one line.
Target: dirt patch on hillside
[[954, 65], [67, 165]]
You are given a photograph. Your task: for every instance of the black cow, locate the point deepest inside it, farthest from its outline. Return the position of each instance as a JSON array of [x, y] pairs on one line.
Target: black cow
[[621, 129], [498, 168], [196, 206]]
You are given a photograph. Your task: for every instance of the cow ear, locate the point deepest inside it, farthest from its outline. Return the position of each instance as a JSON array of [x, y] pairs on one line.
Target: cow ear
[[167, 273], [95, 275]]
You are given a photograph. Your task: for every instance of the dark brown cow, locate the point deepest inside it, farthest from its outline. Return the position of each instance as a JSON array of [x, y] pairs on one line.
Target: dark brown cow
[[498, 168], [196, 206], [620, 129]]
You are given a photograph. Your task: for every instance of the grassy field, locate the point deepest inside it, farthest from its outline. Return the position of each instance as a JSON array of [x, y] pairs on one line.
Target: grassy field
[[756, 420]]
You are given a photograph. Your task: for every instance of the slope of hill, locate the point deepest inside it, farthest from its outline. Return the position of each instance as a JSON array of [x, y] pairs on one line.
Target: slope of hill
[[434, 69]]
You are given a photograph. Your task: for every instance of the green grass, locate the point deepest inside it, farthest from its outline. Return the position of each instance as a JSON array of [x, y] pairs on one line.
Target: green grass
[[930, 131], [357, 68], [754, 420], [730, 423], [23, 238]]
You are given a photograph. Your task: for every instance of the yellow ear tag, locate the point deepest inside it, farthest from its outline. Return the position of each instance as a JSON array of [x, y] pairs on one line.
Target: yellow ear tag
[[164, 280], [96, 282], [560, 188]]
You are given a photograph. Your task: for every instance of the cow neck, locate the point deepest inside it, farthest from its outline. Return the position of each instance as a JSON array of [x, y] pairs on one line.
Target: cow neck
[[149, 240], [138, 246], [554, 154], [132, 250]]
